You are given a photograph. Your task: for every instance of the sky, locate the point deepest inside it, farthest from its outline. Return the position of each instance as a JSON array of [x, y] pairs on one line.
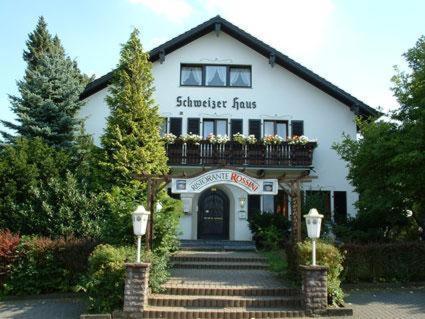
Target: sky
[[352, 43]]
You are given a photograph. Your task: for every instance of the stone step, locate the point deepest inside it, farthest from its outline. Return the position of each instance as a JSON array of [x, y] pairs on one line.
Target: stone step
[[230, 291], [217, 258], [220, 313], [216, 265], [224, 301], [217, 245]]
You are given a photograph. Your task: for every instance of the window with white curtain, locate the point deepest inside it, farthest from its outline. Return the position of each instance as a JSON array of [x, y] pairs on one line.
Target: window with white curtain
[[268, 203], [215, 75], [191, 75], [240, 76]]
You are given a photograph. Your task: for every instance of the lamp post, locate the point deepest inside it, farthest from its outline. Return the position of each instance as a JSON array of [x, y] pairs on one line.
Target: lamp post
[[140, 220], [313, 220]]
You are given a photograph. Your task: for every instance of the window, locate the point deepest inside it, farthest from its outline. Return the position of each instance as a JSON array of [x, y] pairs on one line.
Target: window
[[320, 200], [276, 128], [193, 125], [281, 203], [163, 126], [214, 126], [254, 204], [236, 126], [268, 203], [215, 75], [176, 126], [255, 128], [340, 207], [297, 128], [240, 76], [191, 75]]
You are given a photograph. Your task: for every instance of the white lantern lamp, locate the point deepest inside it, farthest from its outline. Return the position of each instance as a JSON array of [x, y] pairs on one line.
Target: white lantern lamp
[[313, 220], [140, 221]]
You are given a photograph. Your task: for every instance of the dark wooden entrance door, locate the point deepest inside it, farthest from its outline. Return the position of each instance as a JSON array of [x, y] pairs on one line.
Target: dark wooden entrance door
[[213, 215]]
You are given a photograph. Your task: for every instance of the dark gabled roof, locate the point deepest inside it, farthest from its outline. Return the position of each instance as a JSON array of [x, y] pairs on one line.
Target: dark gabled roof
[[218, 23]]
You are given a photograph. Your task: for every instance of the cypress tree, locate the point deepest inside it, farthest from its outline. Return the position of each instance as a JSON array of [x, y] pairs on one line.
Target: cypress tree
[[132, 142], [49, 93]]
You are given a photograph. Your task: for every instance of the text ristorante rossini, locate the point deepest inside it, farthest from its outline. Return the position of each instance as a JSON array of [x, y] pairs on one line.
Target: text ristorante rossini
[[235, 103]]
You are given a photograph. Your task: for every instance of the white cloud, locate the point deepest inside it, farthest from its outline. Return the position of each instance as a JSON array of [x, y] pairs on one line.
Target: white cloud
[[173, 10], [297, 28]]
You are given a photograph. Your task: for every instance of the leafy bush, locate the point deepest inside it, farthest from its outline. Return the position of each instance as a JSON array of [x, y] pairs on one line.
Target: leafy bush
[[104, 283], [40, 196], [327, 255], [166, 225], [401, 262], [44, 265], [8, 244], [270, 230]]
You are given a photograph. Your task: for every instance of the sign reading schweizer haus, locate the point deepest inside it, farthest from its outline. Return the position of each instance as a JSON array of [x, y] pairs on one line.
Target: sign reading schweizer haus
[[251, 185]]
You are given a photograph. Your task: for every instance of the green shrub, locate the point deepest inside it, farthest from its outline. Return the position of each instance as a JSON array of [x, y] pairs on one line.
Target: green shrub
[[104, 283], [329, 256], [41, 196], [166, 225], [44, 265], [270, 230], [392, 262]]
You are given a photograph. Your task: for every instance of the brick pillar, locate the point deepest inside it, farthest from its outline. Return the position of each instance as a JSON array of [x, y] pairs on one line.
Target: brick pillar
[[136, 287], [314, 287]]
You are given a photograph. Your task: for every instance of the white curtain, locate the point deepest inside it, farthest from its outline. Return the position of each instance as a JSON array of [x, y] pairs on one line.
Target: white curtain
[[216, 75], [191, 76], [240, 77]]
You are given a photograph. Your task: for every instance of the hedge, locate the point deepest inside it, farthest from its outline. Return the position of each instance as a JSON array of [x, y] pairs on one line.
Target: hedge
[[44, 265], [389, 262]]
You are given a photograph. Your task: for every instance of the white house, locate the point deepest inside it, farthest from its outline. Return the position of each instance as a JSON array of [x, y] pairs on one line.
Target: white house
[[217, 79]]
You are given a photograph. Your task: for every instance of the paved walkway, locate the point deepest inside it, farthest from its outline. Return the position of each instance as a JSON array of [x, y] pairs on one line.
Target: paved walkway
[[43, 307], [379, 304]]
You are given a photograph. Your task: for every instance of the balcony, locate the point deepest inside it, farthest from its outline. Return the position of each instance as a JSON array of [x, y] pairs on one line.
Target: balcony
[[234, 154]]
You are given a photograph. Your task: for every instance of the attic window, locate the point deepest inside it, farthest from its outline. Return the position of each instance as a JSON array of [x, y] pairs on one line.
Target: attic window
[[236, 76], [240, 77], [215, 75], [191, 76]]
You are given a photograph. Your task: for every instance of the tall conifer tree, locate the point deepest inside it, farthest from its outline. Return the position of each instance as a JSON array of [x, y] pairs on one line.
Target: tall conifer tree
[[49, 93], [132, 142]]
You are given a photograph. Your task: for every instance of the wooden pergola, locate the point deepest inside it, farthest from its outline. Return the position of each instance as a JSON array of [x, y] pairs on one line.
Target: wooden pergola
[[289, 182]]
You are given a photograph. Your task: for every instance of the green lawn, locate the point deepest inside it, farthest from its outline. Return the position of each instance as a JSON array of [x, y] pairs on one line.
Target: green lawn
[[277, 262]]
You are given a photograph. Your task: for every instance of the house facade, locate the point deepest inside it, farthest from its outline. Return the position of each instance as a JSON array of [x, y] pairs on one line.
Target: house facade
[[216, 81]]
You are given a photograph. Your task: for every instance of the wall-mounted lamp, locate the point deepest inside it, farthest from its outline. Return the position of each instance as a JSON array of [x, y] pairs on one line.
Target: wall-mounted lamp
[[242, 202]]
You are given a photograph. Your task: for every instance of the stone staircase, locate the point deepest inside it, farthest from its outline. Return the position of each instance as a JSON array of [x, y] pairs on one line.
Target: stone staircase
[[223, 285]]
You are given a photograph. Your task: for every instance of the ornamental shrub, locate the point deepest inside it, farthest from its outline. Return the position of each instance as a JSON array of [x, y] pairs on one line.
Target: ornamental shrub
[[104, 283], [327, 255], [389, 262], [270, 230], [43, 265], [8, 244]]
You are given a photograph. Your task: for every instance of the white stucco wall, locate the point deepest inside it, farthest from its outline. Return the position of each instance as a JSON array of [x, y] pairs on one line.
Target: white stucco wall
[[278, 93]]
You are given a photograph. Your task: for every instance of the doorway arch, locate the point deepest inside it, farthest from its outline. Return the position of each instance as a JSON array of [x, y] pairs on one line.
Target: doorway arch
[[213, 215]]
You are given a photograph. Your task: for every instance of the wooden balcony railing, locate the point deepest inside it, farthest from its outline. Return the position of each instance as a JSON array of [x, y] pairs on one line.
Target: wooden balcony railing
[[235, 154]]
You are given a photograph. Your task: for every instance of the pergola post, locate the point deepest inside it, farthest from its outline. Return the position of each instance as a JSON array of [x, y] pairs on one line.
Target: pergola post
[[296, 211]]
